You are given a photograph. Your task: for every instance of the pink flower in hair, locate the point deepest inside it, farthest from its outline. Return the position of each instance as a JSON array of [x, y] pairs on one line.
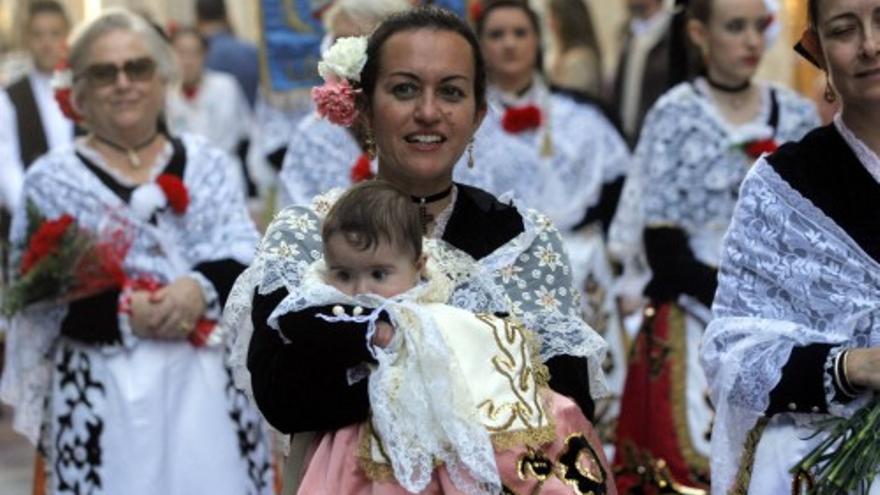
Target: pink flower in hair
[[336, 102]]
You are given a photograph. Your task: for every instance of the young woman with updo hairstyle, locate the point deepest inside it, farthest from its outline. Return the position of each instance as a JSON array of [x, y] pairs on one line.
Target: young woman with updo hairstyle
[[422, 96], [796, 328], [698, 142]]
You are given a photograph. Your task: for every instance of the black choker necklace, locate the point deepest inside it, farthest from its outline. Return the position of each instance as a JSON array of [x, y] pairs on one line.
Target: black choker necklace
[[133, 157], [424, 201], [739, 88]]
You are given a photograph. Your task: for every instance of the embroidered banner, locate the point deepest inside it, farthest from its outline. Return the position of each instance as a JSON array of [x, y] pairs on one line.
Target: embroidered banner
[[290, 43]]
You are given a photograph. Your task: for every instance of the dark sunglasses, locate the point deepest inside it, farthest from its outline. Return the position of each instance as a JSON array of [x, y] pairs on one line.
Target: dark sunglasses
[[138, 69]]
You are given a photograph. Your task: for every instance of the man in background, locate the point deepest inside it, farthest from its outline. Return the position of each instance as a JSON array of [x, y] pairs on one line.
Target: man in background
[[643, 67], [226, 53]]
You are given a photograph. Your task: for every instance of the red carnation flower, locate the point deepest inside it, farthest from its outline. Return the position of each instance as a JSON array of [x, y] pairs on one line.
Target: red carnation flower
[[360, 171], [175, 191], [475, 10], [519, 119], [45, 241], [757, 148]]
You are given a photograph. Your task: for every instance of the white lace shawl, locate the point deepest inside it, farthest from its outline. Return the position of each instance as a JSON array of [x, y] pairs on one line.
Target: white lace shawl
[[587, 152], [689, 165], [216, 226], [531, 269], [789, 277]]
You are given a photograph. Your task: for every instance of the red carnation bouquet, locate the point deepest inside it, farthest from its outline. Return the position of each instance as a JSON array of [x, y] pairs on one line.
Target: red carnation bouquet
[[63, 262]]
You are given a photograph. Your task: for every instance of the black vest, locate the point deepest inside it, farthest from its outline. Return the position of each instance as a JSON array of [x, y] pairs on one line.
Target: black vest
[[32, 142]]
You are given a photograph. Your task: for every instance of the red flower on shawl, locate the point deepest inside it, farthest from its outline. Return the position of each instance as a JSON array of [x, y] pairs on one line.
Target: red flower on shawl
[[757, 148], [175, 191], [360, 171], [519, 119], [45, 241]]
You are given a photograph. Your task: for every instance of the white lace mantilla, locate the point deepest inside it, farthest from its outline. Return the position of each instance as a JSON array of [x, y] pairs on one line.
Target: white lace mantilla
[[587, 152], [216, 226], [531, 270], [689, 164], [789, 277]]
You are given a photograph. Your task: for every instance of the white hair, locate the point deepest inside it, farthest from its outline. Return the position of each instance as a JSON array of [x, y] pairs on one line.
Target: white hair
[[119, 19], [366, 13]]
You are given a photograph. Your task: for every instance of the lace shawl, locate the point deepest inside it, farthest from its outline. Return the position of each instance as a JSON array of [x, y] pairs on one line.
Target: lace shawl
[[789, 277], [689, 165], [216, 226], [587, 152], [531, 269]]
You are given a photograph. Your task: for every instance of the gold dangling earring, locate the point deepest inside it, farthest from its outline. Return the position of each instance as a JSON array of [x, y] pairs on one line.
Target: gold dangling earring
[[470, 152], [830, 96], [370, 144]]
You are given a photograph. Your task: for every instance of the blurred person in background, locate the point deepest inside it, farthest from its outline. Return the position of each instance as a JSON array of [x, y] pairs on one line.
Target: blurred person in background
[[125, 389], [208, 103], [227, 53], [695, 148], [575, 62]]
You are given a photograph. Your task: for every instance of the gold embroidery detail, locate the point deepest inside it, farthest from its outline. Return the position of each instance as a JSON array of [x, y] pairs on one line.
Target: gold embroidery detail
[[678, 382], [747, 459], [800, 479], [583, 479], [376, 471]]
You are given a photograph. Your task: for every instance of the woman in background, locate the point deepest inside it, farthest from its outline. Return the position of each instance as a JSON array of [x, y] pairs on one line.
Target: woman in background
[[575, 63]]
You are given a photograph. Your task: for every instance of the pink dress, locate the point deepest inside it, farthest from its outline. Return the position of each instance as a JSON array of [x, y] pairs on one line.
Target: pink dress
[[574, 463]]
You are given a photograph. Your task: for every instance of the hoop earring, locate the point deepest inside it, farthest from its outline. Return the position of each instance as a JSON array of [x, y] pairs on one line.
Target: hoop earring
[[370, 144], [470, 152], [830, 96]]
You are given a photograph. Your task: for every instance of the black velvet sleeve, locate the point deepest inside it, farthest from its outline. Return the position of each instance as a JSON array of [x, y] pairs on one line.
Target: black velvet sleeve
[[221, 273], [802, 386], [303, 385], [93, 320], [569, 376], [675, 269], [603, 211]]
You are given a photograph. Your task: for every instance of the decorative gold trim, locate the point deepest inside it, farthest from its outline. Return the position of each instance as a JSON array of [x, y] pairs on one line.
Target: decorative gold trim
[[675, 336], [375, 471], [747, 459], [565, 472]]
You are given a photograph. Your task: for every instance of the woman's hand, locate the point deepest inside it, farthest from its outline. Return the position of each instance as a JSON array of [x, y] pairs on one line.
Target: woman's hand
[[863, 367], [169, 313], [383, 334]]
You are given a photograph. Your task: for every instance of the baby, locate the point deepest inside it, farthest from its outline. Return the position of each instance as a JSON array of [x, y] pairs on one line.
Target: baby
[[458, 401]]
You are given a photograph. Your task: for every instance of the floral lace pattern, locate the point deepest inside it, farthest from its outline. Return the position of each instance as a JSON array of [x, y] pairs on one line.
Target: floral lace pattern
[[59, 183], [790, 277], [531, 270], [571, 178], [690, 163]]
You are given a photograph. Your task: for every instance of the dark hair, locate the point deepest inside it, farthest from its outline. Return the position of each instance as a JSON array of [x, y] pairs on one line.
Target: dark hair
[[46, 7], [514, 4], [700, 10], [412, 20], [576, 27], [210, 10], [812, 13], [182, 31], [374, 211]]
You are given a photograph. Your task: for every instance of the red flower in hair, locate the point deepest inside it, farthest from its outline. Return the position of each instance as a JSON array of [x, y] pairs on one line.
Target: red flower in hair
[[475, 10], [757, 148], [62, 81], [45, 241], [519, 119], [175, 191], [360, 171]]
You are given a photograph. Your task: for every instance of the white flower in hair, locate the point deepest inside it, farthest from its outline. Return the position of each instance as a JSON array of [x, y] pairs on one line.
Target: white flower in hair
[[345, 59]]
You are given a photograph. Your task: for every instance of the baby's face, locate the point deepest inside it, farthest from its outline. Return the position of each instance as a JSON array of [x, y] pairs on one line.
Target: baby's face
[[385, 270]]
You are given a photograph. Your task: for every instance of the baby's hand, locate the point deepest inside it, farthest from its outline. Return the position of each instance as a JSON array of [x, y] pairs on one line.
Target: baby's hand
[[384, 333]]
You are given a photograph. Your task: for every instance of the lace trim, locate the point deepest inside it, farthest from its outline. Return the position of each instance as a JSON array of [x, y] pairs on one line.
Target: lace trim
[[865, 154], [442, 219]]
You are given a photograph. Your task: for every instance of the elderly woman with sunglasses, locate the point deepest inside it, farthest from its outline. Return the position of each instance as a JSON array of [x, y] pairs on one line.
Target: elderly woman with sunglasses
[[126, 390]]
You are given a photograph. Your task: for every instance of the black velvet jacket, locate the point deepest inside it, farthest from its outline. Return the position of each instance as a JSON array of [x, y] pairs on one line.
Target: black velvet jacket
[[302, 386]]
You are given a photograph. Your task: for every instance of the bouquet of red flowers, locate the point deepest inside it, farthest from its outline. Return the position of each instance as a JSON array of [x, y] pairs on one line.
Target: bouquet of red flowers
[[63, 262]]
